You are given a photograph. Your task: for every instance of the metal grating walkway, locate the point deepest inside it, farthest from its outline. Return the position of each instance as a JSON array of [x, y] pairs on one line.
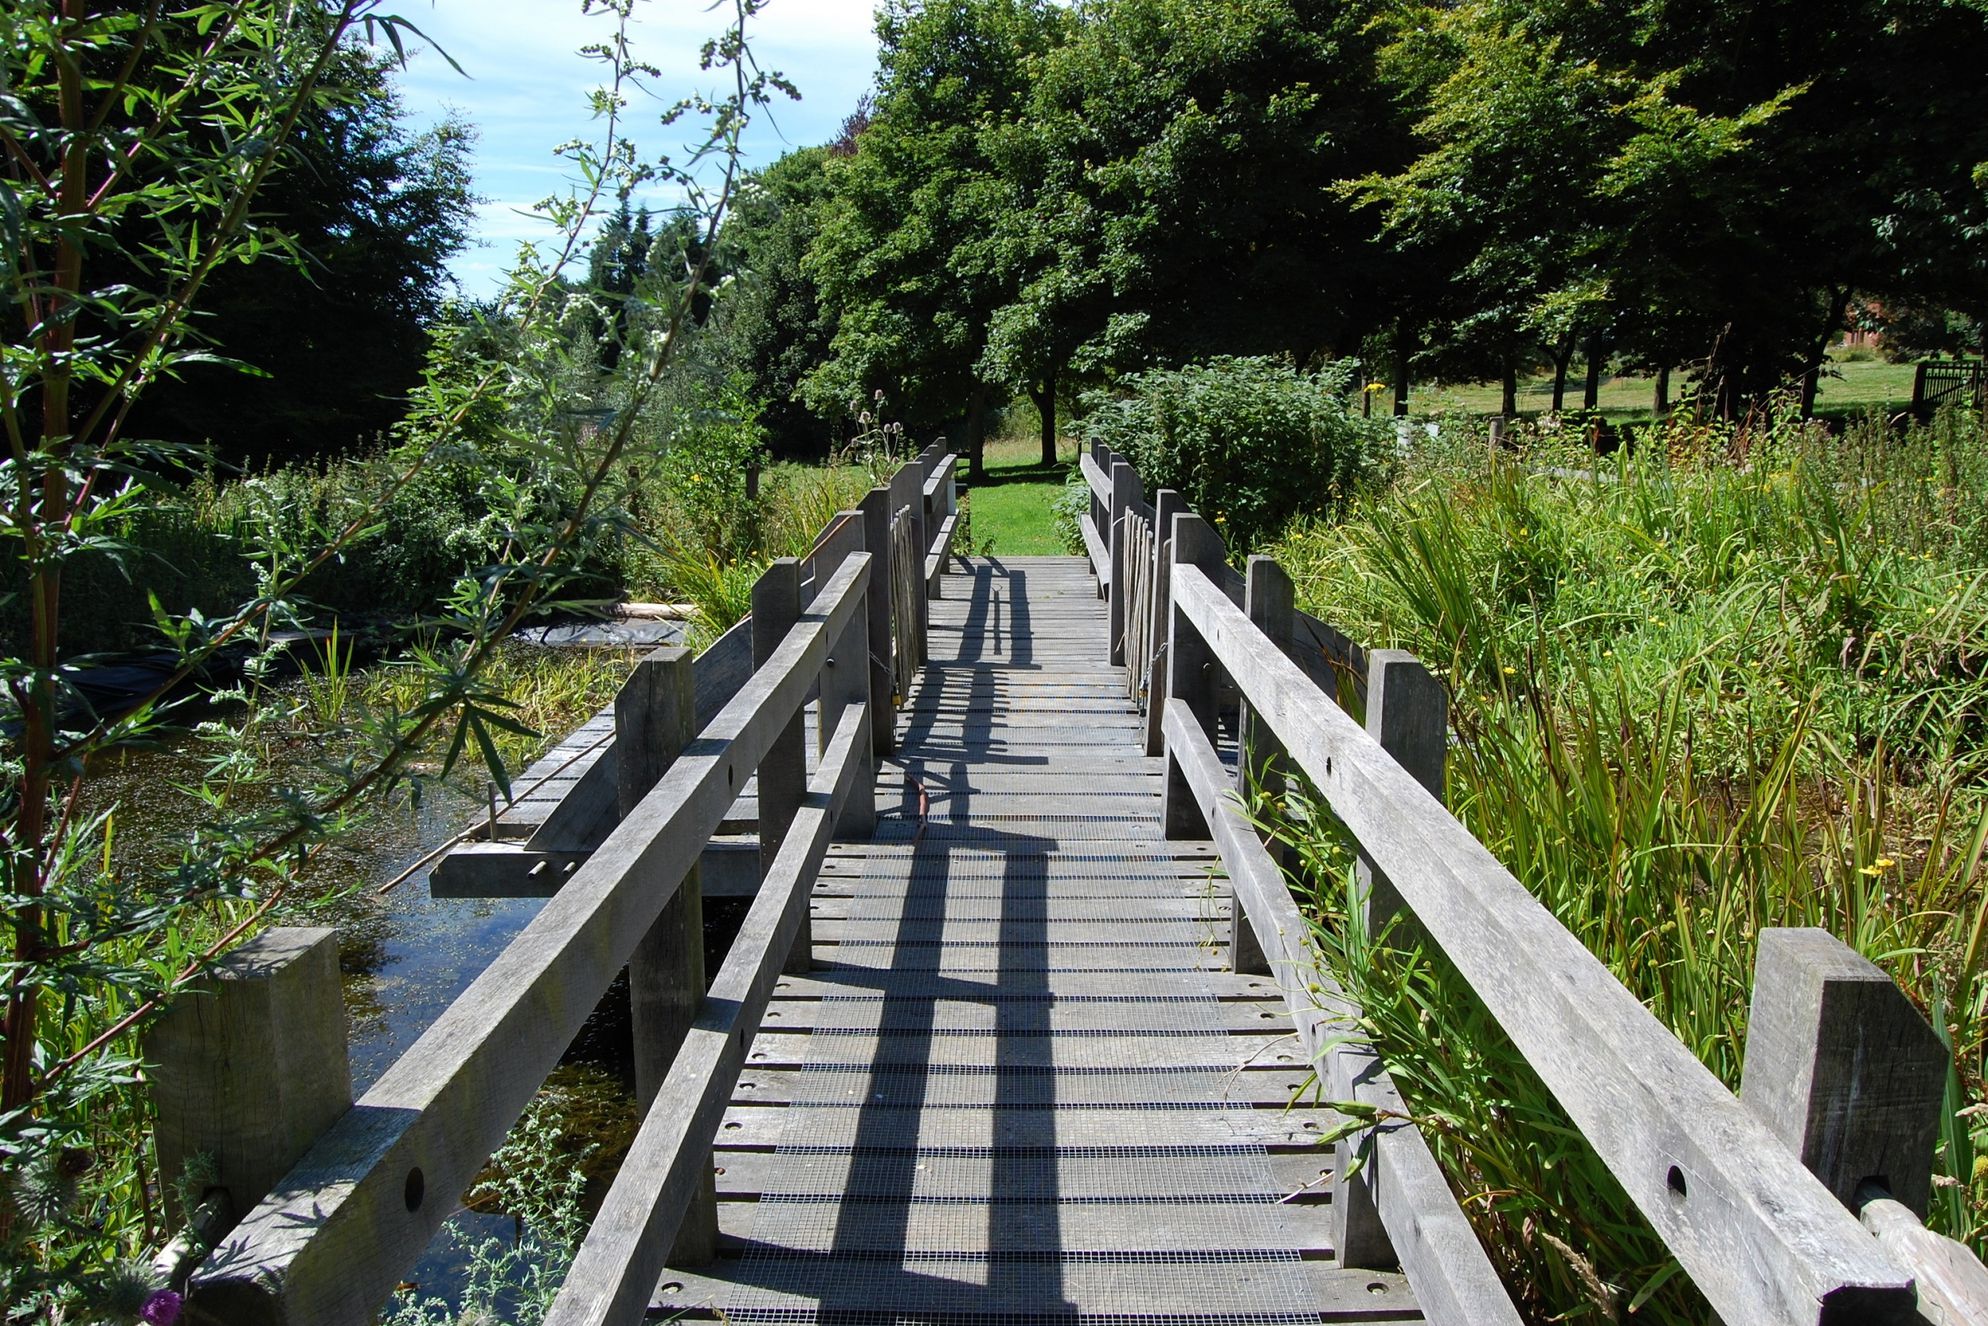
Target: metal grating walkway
[[1019, 1085]]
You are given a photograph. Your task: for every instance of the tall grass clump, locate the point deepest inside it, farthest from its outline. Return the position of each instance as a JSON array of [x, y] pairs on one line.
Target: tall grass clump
[[1248, 443], [1731, 682]]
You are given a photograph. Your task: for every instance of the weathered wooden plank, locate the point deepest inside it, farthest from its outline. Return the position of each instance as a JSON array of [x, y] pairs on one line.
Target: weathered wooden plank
[[1952, 1283], [331, 1241], [762, 1126], [626, 1246], [1215, 1288], [1405, 1190], [1843, 1067], [1296, 1179], [1759, 1235], [1094, 546], [249, 1065]]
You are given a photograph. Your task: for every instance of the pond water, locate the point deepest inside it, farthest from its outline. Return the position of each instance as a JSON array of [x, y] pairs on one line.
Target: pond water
[[404, 955]]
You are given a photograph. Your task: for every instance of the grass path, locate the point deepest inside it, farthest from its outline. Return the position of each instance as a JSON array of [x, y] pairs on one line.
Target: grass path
[[1013, 507]]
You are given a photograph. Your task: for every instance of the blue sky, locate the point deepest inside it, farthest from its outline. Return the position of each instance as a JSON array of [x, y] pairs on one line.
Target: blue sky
[[526, 91]]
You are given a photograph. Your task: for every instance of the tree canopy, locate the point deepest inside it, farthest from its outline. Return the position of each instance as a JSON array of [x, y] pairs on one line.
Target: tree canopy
[[1045, 196]]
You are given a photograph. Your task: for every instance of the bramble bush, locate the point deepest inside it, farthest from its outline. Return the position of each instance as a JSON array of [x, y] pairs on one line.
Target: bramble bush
[[1250, 443]]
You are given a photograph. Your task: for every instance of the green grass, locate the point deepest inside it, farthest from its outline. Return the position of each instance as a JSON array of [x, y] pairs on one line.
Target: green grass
[[1014, 506], [1735, 683], [1856, 387]]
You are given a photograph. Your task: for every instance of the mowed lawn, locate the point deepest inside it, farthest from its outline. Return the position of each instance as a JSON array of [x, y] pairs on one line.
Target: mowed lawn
[[1851, 387], [1013, 507]]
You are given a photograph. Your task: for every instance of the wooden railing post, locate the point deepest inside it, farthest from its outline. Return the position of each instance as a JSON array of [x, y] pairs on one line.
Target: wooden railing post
[[1842, 1067], [876, 542], [1260, 763], [1100, 516], [922, 530], [1166, 505], [1125, 493], [249, 1066], [1408, 713], [845, 676], [655, 717], [783, 773], [1190, 672]]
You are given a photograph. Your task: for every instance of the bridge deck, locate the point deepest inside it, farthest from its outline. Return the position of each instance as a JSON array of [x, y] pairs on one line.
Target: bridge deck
[[1019, 1083]]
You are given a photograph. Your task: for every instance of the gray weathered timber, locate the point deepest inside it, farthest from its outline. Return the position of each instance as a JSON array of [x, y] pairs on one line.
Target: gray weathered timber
[[876, 509], [1952, 1283], [1842, 1067], [1190, 666], [1166, 505], [654, 719], [906, 497], [1125, 492], [614, 1273], [845, 682], [334, 1236], [783, 774], [1267, 598], [1408, 713], [249, 1065], [1402, 1211], [1100, 556], [1758, 1234]]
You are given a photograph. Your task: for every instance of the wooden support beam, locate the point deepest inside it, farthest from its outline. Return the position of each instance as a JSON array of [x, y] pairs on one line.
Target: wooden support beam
[[783, 773], [1408, 1216], [1125, 494], [1758, 1234], [876, 542], [1408, 713], [616, 1269], [1166, 505], [845, 681], [1843, 1068], [1268, 599], [329, 1243], [655, 717], [249, 1065], [1190, 669]]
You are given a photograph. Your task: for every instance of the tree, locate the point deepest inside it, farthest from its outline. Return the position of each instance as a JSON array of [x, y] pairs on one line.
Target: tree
[[774, 328], [907, 260], [370, 216], [139, 140]]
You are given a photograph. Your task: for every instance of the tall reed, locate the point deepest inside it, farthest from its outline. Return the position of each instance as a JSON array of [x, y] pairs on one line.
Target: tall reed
[[1735, 681]]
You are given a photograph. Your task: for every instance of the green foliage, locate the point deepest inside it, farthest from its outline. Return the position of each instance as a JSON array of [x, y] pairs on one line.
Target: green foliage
[[1248, 443], [1691, 699], [704, 470]]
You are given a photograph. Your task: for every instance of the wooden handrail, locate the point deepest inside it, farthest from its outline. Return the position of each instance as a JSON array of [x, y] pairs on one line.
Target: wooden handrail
[[1762, 1238], [1454, 1281], [329, 1244], [614, 1275]]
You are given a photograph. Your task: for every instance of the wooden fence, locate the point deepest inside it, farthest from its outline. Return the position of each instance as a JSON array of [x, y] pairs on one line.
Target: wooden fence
[[337, 1199], [1758, 1198], [1941, 383]]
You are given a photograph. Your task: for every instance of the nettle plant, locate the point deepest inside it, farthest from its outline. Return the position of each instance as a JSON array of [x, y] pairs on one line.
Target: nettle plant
[[135, 141]]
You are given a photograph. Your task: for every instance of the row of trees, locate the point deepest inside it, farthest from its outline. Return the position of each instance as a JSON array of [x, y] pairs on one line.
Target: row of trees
[[1042, 194]]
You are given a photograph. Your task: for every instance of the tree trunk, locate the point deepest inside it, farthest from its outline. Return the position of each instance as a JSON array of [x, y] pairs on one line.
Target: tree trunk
[[1597, 354], [976, 432], [1402, 347], [1839, 304], [1661, 405], [1560, 363], [1508, 404], [1045, 408]]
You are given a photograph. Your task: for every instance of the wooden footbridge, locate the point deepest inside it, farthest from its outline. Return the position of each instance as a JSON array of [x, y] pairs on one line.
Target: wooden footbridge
[[1023, 1024]]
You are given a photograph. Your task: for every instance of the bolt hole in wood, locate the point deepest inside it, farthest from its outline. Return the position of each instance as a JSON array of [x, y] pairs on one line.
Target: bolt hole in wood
[[414, 1189], [1376, 1287], [732, 1126], [1675, 1181], [672, 1287]]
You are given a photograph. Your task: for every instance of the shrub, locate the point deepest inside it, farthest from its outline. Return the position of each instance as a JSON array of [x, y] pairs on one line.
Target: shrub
[[1249, 443]]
